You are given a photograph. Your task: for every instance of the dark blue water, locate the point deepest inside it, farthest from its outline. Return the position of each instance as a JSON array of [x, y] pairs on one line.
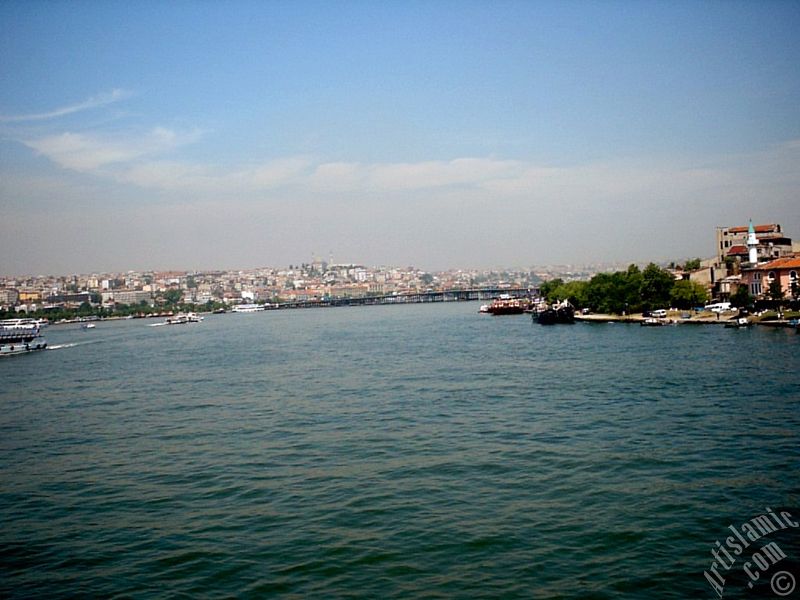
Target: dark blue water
[[418, 451]]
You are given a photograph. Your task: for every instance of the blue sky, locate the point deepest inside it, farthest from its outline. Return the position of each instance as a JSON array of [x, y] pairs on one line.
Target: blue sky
[[439, 134]]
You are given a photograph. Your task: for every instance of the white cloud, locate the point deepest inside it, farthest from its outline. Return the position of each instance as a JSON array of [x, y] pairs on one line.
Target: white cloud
[[478, 211], [201, 179], [136, 161], [80, 152], [164, 175], [86, 153], [432, 174], [93, 102], [303, 174], [277, 172], [338, 176]]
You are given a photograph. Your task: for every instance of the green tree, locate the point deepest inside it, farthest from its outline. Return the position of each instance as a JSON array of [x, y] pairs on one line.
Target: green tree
[[741, 297], [686, 294], [656, 286], [632, 296], [547, 289], [600, 294], [775, 289], [173, 296], [574, 292], [692, 265]]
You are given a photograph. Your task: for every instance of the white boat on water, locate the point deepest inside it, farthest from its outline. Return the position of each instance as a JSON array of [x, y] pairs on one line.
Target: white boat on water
[[248, 308], [20, 338], [740, 322], [654, 322], [25, 321], [181, 319]]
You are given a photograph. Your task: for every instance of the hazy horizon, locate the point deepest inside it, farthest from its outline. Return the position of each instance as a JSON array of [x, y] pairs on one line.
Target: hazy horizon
[[440, 135]]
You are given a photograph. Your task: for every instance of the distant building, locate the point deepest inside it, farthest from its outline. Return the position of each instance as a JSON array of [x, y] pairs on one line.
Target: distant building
[[732, 243], [9, 297], [70, 300], [131, 297], [27, 296]]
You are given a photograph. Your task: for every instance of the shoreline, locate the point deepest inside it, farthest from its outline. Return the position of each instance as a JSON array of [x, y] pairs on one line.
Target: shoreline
[[676, 319]]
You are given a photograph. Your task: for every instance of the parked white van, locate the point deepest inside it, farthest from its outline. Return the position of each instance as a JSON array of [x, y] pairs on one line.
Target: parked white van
[[718, 307], [658, 314]]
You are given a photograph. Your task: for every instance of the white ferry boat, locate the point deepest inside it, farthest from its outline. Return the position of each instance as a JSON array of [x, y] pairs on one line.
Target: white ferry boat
[[20, 337], [183, 319], [25, 321], [247, 308]]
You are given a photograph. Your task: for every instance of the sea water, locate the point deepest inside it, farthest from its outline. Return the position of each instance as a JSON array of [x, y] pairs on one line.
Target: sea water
[[421, 451]]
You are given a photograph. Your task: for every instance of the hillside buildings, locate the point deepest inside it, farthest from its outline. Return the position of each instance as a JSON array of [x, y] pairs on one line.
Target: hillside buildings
[[305, 282], [732, 243], [756, 257]]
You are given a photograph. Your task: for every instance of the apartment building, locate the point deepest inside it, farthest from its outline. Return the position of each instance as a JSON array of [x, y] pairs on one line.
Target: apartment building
[[732, 243]]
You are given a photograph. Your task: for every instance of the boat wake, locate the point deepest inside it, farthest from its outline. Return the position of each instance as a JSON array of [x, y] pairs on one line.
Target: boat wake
[[71, 345]]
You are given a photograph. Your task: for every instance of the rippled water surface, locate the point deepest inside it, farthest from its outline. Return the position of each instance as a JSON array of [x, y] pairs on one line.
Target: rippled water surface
[[418, 451]]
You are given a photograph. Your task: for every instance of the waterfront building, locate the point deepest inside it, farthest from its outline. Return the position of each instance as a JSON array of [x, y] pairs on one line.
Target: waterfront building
[[785, 270]]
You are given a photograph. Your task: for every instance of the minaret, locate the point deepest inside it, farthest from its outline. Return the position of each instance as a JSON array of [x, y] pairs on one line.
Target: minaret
[[752, 244]]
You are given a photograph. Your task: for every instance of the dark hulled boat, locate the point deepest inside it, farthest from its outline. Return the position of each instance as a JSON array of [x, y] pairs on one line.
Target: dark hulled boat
[[557, 314]]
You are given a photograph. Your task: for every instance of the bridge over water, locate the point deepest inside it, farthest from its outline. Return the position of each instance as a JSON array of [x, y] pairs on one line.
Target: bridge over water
[[415, 298]]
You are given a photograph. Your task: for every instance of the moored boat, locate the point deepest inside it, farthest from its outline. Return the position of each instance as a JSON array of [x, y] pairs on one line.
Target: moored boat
[[654, 322], [561, 313], [506, 306], [248, 308], [737, 323]]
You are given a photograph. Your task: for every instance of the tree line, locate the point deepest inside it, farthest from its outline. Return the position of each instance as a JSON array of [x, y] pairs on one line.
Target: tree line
[[629, 291]]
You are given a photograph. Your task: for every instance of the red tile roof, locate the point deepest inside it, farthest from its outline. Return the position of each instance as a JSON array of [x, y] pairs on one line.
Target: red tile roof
[[758, 228], [785, 262], [736, 250]]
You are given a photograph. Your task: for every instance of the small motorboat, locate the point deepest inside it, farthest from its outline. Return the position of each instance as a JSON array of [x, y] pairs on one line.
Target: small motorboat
[[654, 322], [737, 323]]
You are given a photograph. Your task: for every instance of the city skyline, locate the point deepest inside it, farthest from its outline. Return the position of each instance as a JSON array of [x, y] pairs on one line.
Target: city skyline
[[223, 136]]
